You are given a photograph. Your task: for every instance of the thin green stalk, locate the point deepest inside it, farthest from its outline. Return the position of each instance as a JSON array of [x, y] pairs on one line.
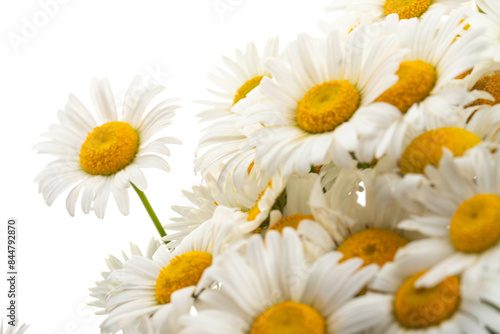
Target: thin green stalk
[[150, 210]]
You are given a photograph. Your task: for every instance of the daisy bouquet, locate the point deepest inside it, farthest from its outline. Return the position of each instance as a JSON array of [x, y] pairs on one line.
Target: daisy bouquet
[[350, 182]]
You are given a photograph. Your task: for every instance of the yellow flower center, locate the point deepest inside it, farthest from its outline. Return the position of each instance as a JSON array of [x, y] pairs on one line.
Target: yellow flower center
[[406, 9], [289, 318], [327, 106], [490, 84], [109, 148], [422, 308], [184, 270], [428, 148], [416, 80], [254, 210], [373, 245], [246, 88], [475, 226], [290, 221]]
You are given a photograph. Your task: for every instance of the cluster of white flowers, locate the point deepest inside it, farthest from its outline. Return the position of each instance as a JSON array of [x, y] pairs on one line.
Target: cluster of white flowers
[[351, 183]]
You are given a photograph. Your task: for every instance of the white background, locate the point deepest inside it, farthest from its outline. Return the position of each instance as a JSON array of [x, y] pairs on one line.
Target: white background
[[175, 42]]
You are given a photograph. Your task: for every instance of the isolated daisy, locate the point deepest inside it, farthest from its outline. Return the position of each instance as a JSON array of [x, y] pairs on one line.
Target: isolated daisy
[[425, 86], [102, 288], [223, 139], [8, 329], [272, 289], [105, 156], [456, 304], [152, 285], [309, 107], [361, 216], [458, 208], [377, 9]]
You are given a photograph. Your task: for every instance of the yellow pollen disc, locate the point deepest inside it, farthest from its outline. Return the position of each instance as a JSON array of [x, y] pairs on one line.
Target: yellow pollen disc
[[289, 318], [490, 84], [475, 226], [254, 210], [290, 221], [109, 148], [327, 106], [416, 80], [406, 9], [373, 245], [246, 88], [184, 270], [422, 308], [428, 148]]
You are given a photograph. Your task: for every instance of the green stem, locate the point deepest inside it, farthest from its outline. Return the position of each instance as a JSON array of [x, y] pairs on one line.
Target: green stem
[[150, 210]]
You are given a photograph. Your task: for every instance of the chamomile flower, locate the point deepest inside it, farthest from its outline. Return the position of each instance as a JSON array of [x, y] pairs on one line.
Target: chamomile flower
[[377, 9], [361, 216], [271, 289], [102, 288], [296, 213], [309, 106], [104, 156], [467, 129], [454, 305], [206, 198], [425, 86], [458, 208], [223, 140], [18, 329], [152, 285]]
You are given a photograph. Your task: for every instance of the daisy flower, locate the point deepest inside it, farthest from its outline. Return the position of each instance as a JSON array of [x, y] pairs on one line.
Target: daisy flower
[[456, 304], [458, 208], [425, 85], [153, 285], [99, 157], [378, 9], [361, 216], [272, 289], [296, 212], [309, 106], [223, 139], [13, 329], [102, 288], [204, 200], [459, 134]]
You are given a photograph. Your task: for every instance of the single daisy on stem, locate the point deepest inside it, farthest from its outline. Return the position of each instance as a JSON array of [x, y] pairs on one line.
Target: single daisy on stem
[[106, 156]]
